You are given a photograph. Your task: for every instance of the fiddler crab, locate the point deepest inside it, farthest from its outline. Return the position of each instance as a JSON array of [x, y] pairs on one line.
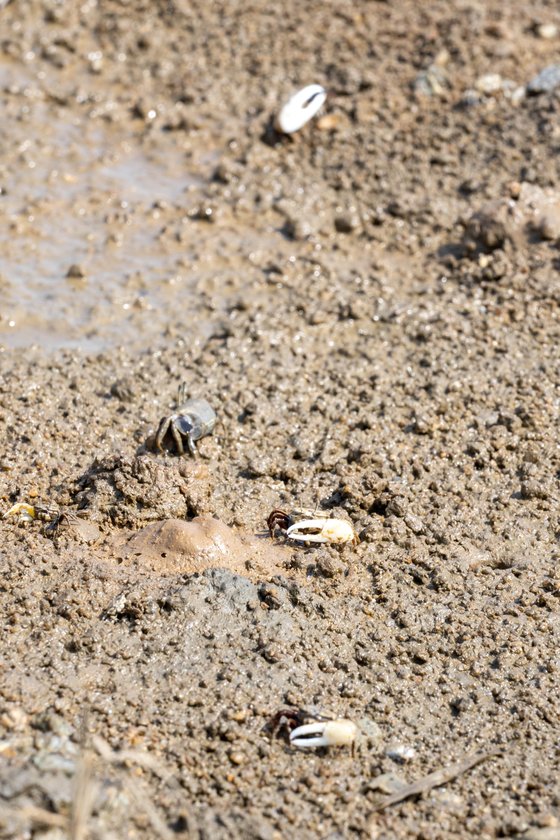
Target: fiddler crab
[[317, 527], [193, 419], [330, 733], [54, 518], [321, 732], [300, 108], [58, 519], [24, 512]]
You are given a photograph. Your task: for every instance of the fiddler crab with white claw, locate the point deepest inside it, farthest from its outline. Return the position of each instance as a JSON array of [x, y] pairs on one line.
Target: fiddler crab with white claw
[[331, 733], [23, 511], [315, 527], [53, 517], [193, 419], [308, 730], [300, 108]]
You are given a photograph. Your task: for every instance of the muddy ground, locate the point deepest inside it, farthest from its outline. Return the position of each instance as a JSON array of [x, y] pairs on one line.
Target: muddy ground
[[372, 308]]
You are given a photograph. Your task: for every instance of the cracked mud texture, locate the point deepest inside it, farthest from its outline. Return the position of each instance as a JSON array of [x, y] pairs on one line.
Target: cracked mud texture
[[372, 309]]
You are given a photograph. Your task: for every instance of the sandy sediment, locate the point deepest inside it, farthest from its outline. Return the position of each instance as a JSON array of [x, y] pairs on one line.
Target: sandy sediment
[[371, 308]]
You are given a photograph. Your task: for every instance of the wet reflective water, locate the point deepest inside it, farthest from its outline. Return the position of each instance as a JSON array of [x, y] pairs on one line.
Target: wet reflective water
[[104, 238], [83, 240]]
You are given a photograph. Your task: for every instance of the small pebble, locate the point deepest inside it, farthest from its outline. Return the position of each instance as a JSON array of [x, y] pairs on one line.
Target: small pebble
[[517, 94], [14, 718], [329, 567], [547, 31], [431, 82], [489, 83], [330, 122], [546, 81], [400, 752], [298, 229], [347, 221], [470, 99], [534, 489], [76, 272]]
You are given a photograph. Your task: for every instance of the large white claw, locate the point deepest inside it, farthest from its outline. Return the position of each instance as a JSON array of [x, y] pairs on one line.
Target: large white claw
[[333, 733], [336, 531], [302, 106]]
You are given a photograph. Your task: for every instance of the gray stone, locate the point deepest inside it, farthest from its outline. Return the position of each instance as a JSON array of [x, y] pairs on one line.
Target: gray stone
[[546, 81]]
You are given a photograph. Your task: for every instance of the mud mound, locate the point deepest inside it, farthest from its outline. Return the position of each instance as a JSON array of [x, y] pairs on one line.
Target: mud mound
[[178, 547]]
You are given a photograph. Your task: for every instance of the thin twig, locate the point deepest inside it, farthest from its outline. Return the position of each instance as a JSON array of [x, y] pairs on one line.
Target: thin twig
[[435, 779], [125, 757], [144, 803], [39, 816], [135, 789], [85, 789]]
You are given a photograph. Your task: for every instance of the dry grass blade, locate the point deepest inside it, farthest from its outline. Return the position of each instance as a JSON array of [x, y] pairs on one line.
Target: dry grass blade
[[435, 779], [135, 789], [143, 759], [40, 816], [85, 789], [144, 803]]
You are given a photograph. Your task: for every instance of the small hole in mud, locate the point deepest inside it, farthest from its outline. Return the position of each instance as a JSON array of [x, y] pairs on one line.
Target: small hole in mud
[[379, 507]]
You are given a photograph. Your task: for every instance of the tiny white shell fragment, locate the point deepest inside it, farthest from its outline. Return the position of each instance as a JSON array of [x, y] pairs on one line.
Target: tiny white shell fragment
[[335, 531], [300, 108], [333, 733], [400, 752], [547, 31], [489, 83], [25, 512]]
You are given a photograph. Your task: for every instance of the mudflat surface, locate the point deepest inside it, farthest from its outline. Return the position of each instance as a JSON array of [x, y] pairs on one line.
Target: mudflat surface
[[372, 309]]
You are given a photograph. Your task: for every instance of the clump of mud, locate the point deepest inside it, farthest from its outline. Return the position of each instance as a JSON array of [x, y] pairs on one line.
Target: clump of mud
[[530, 213], [129, 491]]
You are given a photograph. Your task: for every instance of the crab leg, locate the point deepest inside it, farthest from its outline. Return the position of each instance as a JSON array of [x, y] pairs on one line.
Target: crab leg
[[190, 444], [161, 432], [177, 438]]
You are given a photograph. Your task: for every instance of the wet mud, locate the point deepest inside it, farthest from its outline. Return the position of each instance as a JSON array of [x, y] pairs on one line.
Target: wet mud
[[371, 306]]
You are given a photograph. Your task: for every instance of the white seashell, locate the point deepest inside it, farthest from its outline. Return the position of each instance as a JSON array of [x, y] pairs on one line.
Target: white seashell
[[298, 110]]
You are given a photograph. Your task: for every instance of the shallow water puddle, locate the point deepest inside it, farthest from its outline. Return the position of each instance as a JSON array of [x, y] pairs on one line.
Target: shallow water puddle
[[80, 246], [105, 240]]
